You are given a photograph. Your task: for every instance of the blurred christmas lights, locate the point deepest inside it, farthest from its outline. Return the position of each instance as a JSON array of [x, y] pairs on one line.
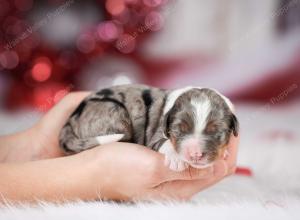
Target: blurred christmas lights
[[115, 7], [126, 43], [9, 59], [108, 31], [154, 21], [42, 69], [115, 25], [152, 3]]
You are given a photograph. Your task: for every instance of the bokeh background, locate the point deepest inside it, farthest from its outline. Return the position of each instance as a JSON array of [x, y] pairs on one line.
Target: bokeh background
[[249, 50]]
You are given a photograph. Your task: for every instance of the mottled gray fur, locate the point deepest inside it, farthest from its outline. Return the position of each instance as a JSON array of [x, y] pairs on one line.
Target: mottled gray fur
[[137, 112], [133, 110]]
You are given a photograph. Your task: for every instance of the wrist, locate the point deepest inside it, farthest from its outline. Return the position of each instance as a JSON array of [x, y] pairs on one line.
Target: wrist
[[98, 175], [102, 181], [89, 174], [14, 147]]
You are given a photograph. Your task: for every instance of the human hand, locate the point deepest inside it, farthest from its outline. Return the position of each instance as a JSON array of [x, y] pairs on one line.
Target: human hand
[[124, 171], [120, 171], [41, 140], [45, 133]]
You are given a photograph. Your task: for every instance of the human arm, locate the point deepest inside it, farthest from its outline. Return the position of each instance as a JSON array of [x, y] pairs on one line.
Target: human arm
[[119, 171]]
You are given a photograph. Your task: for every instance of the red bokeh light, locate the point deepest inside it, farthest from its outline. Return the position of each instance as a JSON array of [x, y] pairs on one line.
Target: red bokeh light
[[115, 7], [131, 1], [9, 59], [108, 31], [153, 3], [42, 69], [154, 21], [126, 43]]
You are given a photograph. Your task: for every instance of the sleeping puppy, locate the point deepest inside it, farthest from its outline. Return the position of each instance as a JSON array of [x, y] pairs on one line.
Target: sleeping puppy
[[191, 126]]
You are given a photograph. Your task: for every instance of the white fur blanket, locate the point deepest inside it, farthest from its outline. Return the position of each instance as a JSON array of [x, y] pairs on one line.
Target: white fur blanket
[[270, 146]]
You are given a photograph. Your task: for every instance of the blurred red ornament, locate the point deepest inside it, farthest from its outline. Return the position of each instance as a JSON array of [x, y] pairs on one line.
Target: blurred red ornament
[[9, 59], [154, 21], [124, 24], [108, 31], [41, 71], [152, 3], [126, 43], [115, 7], [131, 1], [124, 18]]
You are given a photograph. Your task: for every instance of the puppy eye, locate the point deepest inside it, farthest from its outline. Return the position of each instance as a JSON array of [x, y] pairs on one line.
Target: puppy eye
[[211, 128], [184, 127]]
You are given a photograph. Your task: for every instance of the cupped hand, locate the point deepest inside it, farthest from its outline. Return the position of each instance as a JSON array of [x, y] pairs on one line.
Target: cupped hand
[[133, 172], [125, 171], [45, 133]]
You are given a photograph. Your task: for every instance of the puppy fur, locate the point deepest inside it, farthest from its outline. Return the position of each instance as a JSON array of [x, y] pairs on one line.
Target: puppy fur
[[162, 120]]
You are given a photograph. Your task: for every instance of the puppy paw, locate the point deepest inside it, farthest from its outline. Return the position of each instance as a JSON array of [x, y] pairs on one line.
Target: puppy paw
[[172, 159], [175, 163]]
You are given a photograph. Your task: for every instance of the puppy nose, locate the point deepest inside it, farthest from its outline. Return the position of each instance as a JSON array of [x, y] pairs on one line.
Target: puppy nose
[[193, 151], [195, 154]]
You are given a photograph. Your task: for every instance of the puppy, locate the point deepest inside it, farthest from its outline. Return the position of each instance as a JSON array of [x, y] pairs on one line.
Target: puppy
[[191, 126]]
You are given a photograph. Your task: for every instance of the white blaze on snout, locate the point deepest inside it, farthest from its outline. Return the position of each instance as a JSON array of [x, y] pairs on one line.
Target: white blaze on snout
[[193, 145], [191, 149]]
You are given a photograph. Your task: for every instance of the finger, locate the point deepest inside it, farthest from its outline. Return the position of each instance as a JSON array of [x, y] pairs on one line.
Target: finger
[[62, 110], [188, 174], [166, 174], [184, 189], [232, 153], [67, 105], [233, 145]]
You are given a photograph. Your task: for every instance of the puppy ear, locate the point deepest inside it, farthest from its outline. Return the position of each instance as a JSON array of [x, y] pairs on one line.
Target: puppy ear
[[234, 125]]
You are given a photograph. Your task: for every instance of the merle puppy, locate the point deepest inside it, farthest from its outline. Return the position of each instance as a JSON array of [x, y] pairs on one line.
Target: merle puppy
[[191, 126]]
